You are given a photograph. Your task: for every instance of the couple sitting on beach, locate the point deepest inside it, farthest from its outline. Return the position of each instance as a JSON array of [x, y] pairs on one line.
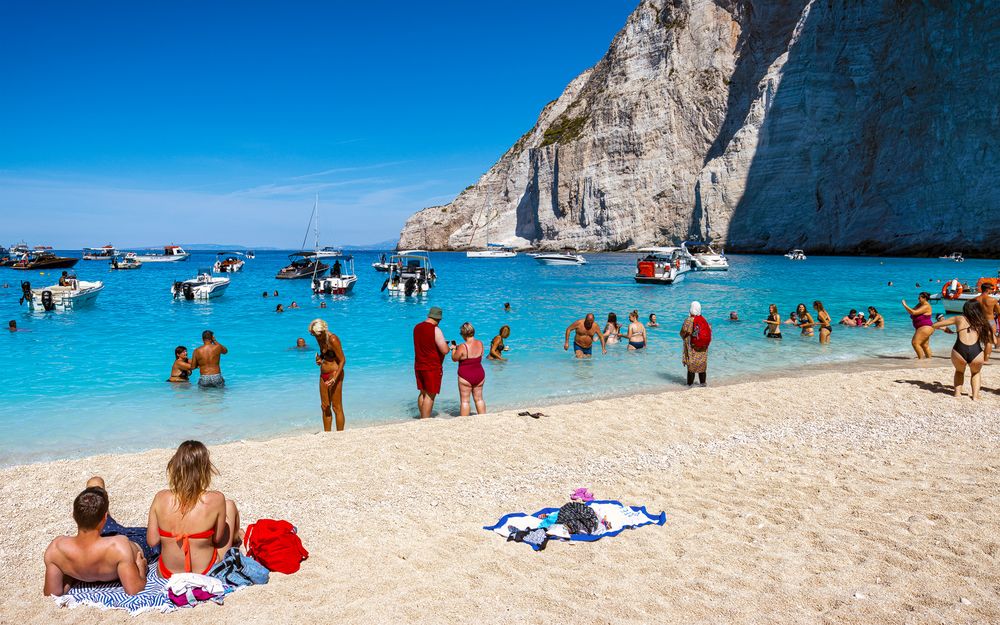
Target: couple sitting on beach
[[194, 521]]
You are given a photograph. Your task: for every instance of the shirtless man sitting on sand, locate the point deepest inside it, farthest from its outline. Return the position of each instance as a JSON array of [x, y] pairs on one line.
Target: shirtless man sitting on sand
[[89, 557], [583, 343], [206, 361]]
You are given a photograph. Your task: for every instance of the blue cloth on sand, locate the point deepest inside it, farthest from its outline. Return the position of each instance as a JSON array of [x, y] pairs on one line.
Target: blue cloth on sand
[[135, 534]]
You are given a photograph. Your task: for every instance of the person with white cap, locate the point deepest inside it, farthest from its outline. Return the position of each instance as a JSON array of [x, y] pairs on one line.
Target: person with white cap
[[697, 335]]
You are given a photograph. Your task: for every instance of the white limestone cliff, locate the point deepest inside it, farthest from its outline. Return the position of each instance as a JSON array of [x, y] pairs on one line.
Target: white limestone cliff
[[763, 125]]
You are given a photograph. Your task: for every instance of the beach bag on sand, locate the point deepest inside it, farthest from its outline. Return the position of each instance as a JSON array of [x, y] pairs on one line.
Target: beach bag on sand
[[276, 545], [701, 333], [236, 569]]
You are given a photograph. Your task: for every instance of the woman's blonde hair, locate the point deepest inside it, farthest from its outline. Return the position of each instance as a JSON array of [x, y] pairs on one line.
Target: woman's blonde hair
[[189, 474], [467, 330], [317, 326]]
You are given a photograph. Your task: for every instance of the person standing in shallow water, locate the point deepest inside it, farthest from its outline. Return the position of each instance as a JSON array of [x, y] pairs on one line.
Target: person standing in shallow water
[[694, 333], [429, 349], [583, 342], [823, 317], [923, 325], [331, 362], [471, 375], [206, 361]]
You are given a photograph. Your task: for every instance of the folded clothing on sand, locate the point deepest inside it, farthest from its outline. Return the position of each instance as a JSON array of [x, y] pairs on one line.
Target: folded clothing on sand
[[612, 518], [187, 590]]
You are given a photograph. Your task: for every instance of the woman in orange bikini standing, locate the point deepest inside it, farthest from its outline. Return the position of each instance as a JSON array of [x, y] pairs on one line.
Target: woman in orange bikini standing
[[331, 363], [190, 522]]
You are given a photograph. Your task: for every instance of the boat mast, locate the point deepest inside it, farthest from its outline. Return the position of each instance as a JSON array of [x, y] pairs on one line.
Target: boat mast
[[316, 244]]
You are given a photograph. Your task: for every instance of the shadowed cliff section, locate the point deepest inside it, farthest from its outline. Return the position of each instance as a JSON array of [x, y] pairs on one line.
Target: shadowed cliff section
[[881, 136]]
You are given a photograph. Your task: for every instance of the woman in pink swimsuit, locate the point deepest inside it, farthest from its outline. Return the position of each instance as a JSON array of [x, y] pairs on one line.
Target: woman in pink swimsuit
[[471, 376], [923, 325]]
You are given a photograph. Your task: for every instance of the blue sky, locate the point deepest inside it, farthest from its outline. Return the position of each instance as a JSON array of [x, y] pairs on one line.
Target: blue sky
[[143, 123]]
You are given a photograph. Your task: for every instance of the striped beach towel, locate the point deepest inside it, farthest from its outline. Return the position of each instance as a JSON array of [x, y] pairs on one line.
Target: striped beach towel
[[111, 596]]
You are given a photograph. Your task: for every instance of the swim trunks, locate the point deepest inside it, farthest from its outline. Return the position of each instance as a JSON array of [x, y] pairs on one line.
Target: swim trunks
[[213, 380], [429, 380], [586, 351]]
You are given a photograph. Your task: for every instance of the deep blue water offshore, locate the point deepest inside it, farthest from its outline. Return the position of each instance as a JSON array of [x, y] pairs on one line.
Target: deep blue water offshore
[[93, 380]]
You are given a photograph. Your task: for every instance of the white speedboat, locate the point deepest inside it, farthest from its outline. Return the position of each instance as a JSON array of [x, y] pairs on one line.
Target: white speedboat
[[704, 258], [328, 252], [493, 250], [71, 294], [954, 256], [796, 255], [122, 263], [171, 254], [204, 286], [99, 253], [662, 265], [567, 257], [228, 262], [382, 264], [341, 279], [410, 273]]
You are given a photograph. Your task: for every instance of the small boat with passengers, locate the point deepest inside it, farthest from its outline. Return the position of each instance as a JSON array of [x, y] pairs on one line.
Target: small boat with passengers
[[564, 258], [704, 258], [99, 253], [125, 263], [171, 254], [228, 262], [410, 273], [954, 293], [202, 286], [43, 260], [341, 279], [796, 255], [302, 265], [69, 294], [662, 265]]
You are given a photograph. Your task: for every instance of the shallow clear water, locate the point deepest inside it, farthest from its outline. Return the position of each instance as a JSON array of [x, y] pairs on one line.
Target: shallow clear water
[[92, 380]]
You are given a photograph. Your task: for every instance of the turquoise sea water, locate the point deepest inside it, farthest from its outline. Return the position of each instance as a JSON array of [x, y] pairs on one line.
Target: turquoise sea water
[[92, 380]]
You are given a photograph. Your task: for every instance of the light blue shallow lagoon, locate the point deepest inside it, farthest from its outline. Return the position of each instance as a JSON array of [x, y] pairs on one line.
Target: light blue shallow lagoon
[[93, 380]]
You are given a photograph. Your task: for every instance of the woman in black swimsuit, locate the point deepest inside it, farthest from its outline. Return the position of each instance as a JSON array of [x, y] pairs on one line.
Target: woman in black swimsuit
[[973, 333], [773, 321], [825, 324]]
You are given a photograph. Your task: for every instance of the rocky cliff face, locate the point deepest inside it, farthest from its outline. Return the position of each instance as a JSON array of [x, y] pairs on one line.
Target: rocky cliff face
[[835, 126]]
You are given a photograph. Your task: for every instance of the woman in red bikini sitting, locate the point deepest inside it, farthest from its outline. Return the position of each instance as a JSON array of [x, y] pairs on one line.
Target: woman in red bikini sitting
[[471, 376], [188, 521]]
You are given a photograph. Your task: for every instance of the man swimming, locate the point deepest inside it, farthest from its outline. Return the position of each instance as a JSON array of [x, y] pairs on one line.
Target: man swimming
[[583, 343], [89, 557], [206, 361]]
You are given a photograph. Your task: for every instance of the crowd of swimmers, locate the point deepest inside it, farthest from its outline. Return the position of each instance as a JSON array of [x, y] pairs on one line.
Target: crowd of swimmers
[[808, 324]]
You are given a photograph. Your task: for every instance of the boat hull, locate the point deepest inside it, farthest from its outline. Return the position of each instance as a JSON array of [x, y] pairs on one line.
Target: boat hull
[[667, 280], [56, 263], [201, 291], [65, 298], [560, 261], [490, 254], [161, 258], [335, 286]]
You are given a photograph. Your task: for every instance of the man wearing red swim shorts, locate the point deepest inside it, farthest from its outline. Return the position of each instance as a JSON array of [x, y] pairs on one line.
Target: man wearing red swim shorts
[[429, 349]]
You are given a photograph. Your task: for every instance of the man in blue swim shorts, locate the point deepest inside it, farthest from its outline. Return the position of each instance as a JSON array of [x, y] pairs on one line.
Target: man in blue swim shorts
[[583, 342]]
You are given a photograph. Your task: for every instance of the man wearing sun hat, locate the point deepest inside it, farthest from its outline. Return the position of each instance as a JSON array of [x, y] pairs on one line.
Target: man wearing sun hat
[[429, 349]]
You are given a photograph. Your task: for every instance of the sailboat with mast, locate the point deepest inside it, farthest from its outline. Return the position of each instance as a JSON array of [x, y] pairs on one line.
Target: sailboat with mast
[[493, 250], [306, 264]]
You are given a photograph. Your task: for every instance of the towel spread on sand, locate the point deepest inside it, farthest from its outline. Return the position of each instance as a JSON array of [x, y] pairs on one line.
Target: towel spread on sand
[[613, 517], [111, 595]]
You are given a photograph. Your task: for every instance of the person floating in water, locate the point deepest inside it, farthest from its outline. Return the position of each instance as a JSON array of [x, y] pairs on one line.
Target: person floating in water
[[734, 316], [280, 308], [851, 319], [12, 325], [181, 370], [206, 361], [300, 343], [652, 321], [583, 342], [293, 305], [506, 306], [331, 362]]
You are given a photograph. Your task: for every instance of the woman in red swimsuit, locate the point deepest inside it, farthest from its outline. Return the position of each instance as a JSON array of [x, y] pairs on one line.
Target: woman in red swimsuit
[[471, 376], [190, 522]]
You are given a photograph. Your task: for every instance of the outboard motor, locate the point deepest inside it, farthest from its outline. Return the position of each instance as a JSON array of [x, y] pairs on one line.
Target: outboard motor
[[188, 291], [410, 285], [47, 302], [26, 294]]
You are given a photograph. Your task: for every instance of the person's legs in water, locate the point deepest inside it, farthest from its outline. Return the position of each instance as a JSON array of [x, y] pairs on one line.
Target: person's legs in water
[[702, 376], [425, 402], [690, 377], [464, 392], [921, 341], [477, 396]]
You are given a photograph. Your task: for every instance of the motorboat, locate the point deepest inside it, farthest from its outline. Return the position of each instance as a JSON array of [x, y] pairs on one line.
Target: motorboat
[[493, 250], [99, 253], [171, 254], [68, 294], [954, 294], [302, 265], [341, 279], [228, 262], [796, 255], [203, 286], [328, 252], [954, 256], [126, 262], [566, 257], [382, 264], [662, 265], [250, 254], [704, 258], [43, 260], [410, 273], [19, 249]]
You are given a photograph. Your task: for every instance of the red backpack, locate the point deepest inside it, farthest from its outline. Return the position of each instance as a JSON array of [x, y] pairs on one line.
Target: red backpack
[[276, 545], [701, 334]]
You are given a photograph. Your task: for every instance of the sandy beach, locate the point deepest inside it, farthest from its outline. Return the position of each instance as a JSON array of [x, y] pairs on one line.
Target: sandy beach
[[866, 497]]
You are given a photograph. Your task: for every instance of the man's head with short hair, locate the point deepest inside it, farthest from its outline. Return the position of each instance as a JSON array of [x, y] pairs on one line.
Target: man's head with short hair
[[208, 336], [90, 508], [985, 287], [12, 324]]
